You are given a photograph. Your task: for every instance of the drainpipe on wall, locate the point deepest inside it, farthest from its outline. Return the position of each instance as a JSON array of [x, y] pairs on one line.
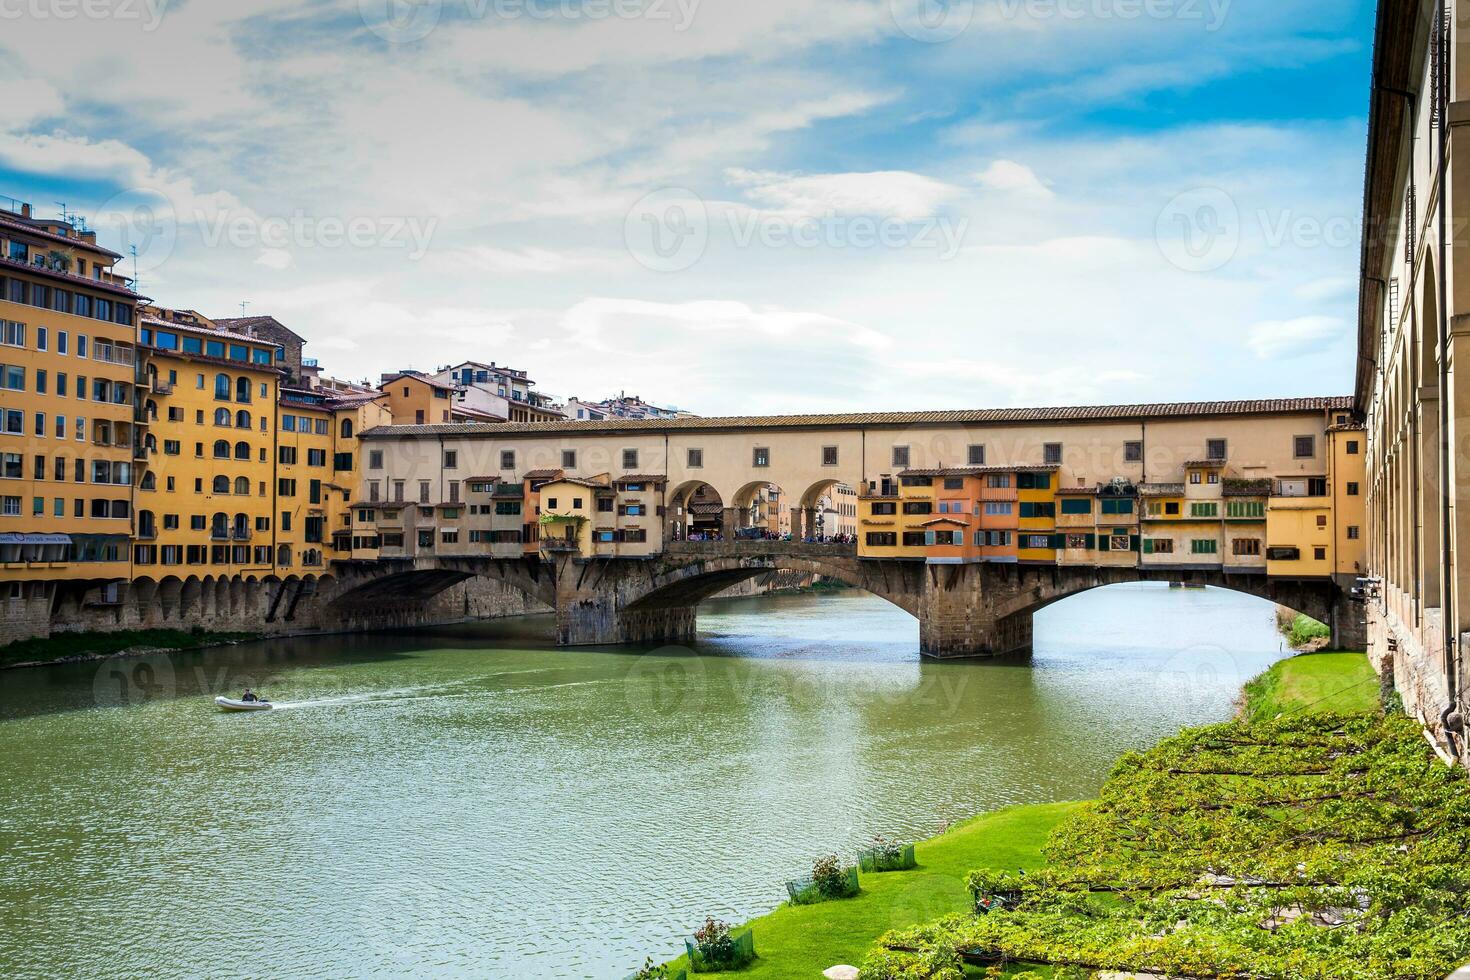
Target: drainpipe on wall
[[1450, 719]]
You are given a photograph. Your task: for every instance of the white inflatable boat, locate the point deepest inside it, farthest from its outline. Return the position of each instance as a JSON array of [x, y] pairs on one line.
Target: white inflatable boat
[[230, 704]]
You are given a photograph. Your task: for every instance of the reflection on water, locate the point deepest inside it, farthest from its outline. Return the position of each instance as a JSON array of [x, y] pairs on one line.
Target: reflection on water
[[472, 802]]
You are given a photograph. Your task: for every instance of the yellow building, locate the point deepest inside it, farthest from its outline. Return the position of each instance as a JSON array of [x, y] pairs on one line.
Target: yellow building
[[417, 399], [1037, 497], [67, 419], [1345, 451], [206, 489]]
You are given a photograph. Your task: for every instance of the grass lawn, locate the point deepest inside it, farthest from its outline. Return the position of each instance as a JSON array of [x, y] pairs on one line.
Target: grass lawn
[[803, 940], [63, 645], [1313, 682]]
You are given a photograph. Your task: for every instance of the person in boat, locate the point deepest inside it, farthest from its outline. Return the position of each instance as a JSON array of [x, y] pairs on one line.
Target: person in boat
[[249, 696]]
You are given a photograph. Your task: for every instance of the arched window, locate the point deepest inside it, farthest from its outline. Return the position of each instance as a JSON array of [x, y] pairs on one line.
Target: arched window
[[242, 389], [222, 387], [242, 451], [221, 449], [242, 526], [346, 428], [152, 410], [149, 481], [222, 417], [219, 525], [221, 484], [242, 419], [283, 556], [242, 487]]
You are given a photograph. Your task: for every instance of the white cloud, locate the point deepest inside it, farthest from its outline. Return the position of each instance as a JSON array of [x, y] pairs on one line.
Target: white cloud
[[1273, 339], [274, 258], [1007, 176], [890, 193]]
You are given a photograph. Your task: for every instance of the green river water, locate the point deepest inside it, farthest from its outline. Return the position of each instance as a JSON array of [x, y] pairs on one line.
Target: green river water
[[473, 802]]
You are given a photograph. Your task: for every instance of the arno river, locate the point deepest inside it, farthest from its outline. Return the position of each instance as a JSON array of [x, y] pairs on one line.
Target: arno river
[[473, 802]]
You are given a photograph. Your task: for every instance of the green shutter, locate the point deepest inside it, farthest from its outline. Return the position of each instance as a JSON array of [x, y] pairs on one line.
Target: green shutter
[[1148, 546]]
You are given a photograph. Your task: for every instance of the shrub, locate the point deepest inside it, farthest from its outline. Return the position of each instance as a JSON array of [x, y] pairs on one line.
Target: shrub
[[715, 947], [653, 971], [887, 855], [829, 879]]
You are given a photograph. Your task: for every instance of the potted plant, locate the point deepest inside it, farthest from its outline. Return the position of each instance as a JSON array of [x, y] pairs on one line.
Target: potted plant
[[887, 855], [715, 947], [830, 879]]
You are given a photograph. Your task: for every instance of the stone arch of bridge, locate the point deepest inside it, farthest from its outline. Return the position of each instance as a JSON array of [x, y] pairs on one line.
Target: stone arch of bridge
[[680, 515], [761, 503], [691, 583], [407, 583]]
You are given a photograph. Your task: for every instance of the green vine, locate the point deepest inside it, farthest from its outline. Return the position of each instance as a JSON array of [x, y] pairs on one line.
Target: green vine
[[1312, 848]]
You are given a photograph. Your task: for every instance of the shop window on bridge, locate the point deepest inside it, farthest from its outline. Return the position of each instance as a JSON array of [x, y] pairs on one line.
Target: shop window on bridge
[[882, 539], [1246, 547], [1204, 510], [1117, 505], [1158, 546], [885, 508], [1204, 546], [918, 507], [914, 539], [1080, 542], [1076, 506]]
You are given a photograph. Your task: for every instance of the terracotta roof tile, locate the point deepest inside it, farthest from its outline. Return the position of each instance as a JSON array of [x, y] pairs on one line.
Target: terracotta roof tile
[[993, 416]]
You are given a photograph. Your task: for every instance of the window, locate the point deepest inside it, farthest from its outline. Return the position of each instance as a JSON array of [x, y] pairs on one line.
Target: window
[[1246, 547], [1171, 509], [1158, 546], [884, 508], [1033, 481], [1116, 505], [222, 387], [14, 378], [630, 459], [1038, 509], [760, 456], [1352, 447], [998, 481], [975, 455], [285, 488], [829, 455], [1204, 546], [1132, 452], [1319, 554], [1245, 509], [286, 455], [1304, 447], [451, 459], [13, 334], [1079, 542], [1194, 477], [423, 491], [1352, 489], [507, 459], [1204, 510], [1074, 505], [1353, 532], [1051, 454], [568, 459], [508, 508], [696, 458], [1283, 554], [999, 508], [346, 429], [901, 456], [918, 507]]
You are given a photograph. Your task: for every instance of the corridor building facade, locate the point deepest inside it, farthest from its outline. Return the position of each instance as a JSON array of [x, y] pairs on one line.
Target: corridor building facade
[[1412, 329]]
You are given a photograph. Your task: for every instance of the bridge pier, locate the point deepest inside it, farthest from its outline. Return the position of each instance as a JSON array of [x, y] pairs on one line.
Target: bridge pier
[[959, 614]]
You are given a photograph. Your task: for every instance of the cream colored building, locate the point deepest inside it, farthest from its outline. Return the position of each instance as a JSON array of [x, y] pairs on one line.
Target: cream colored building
[[1414, 298]]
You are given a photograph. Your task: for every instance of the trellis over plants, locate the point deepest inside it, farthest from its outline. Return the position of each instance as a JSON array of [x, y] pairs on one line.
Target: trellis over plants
[[1303, 849], [886, 855]]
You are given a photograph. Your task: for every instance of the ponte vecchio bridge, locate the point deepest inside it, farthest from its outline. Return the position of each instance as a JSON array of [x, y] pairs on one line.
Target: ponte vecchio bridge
[[623, 527]]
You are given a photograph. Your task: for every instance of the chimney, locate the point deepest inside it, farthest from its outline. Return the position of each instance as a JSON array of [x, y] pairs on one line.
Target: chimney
[[25, 210]]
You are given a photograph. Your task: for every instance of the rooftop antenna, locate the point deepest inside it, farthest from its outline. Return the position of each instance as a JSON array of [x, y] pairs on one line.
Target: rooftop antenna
[[243, 303], [65, 214], [134, 250]]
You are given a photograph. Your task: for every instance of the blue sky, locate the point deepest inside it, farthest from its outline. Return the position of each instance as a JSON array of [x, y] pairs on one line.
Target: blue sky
[[736, 206]]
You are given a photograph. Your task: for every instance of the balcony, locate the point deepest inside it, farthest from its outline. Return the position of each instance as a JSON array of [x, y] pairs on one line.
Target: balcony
[[161, 387], [241, 534], [219, 534]]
